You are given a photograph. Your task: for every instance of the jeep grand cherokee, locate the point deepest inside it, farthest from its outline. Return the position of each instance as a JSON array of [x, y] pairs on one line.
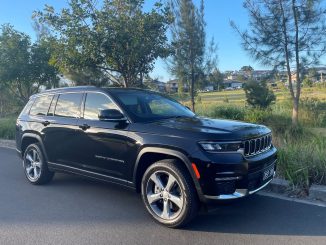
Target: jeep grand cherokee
[[145, 141]]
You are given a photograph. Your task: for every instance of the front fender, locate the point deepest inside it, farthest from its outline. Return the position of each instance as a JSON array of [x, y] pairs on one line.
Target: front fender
[[175, 153]]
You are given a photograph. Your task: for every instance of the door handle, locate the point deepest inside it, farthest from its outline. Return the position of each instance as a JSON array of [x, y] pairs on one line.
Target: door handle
[[84, 126], [46, 123]]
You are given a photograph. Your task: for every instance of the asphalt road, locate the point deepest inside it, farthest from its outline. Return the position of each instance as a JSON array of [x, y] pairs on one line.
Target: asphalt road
[[74, 210]]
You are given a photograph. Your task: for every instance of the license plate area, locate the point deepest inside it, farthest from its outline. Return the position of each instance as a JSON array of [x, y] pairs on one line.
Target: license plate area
[[268, 173]]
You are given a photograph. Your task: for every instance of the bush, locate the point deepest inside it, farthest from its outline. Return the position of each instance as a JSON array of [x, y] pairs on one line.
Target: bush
[[258, 94], [230, 112], [256, 115], [7, 128]]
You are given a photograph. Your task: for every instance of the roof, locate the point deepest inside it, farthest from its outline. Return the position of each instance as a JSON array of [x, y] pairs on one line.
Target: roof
[[85, 88]]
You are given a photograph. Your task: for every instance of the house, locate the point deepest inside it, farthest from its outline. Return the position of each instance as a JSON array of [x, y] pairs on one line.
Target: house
[[209, 88], [259, 75], [321, 75], [155, 85], [232, 84], [232, 76], [173, 85]]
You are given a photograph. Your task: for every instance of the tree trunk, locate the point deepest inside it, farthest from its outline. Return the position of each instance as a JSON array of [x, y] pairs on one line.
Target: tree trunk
[[295, 112], [192, 90], [295, 99]]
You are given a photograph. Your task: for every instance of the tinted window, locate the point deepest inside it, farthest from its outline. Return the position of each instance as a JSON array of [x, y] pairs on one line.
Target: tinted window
[[68, 105], [148, 106], [27, 107], [96, 102], [41, 105]]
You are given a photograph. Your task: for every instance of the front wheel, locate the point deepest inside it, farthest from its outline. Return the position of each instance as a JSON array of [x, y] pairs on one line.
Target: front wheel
[[35, 165], [169, 194]]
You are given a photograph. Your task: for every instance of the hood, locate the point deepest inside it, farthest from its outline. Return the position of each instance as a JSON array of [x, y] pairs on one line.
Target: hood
[[215, 128]]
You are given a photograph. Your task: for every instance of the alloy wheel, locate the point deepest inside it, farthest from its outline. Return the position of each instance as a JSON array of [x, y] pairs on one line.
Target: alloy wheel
[[164, 195], [33, 164]]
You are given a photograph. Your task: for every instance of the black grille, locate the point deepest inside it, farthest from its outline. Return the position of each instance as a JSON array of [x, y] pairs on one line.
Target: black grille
[[258, 145]]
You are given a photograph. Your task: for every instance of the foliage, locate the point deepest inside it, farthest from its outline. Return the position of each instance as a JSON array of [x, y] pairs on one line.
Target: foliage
[[115, 38], [303, 161], [7, 128], [228, 112], [307, 82], [286, 34], [24, 66], [258, 94], [188, 41], [216, 79]]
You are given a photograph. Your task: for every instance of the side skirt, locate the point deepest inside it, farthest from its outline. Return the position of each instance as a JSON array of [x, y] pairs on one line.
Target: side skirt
[[90, 174]]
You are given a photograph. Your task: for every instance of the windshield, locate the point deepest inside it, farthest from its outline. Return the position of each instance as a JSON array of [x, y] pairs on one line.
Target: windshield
[[149, 106]]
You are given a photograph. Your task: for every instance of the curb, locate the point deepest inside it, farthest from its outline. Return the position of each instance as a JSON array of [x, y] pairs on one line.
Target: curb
[[278, 185], [281, 186], [318, 192], [8, 144]]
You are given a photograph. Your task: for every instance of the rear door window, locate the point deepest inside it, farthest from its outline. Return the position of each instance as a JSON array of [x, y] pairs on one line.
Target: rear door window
[[68, 105], [41, 105]]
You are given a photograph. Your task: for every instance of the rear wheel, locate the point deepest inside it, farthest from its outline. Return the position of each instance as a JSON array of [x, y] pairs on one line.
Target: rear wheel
[[168, 193], [35, 166]]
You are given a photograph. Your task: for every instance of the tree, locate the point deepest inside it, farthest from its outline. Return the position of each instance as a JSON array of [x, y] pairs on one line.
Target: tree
[[216, 78], [116, 38], [24, 66], [247, 70], [286, 34], [258, 94], [188, 41]]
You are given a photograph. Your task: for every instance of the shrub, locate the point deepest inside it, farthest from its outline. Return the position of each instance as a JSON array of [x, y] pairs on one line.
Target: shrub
[[256, 115], [230, 112], [258, 94], [7, 128], [226, 99]]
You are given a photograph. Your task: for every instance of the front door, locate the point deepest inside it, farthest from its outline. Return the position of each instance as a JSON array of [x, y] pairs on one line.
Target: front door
[[104, 143]]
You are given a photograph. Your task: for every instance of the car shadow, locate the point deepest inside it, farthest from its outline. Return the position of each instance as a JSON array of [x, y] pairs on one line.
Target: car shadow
[[252, 215], [262, 215]]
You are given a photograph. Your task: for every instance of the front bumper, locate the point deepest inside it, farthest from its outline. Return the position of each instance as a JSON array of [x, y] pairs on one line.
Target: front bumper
[[238, 192], [232, 176]]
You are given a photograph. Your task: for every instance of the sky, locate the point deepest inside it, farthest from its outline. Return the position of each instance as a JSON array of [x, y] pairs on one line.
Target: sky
[[218, 14]]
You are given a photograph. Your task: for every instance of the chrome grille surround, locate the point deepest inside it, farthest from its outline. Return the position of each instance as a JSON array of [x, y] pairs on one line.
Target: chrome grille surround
[[258, 145]]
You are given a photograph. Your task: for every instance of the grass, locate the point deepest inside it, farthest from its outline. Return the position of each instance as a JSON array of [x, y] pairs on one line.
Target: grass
[[7, 128]]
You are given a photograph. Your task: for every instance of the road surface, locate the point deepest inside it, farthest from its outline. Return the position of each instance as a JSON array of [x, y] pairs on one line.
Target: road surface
[[75, 210]]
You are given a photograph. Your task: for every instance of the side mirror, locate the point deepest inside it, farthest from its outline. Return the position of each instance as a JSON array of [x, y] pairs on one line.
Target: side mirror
[[111, 115]]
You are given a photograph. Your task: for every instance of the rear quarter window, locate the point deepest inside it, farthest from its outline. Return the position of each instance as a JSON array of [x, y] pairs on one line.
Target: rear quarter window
[[41, 105]]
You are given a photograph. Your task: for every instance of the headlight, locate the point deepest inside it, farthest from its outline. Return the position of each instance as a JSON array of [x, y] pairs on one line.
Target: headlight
[[220, 146]]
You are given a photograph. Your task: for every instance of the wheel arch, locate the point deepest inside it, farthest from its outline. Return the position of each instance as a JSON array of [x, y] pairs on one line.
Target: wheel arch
[[31, 138], [149, 155]]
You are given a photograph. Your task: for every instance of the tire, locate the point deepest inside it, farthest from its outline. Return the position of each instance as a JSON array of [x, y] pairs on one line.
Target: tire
[[172, 205], [35, 166]]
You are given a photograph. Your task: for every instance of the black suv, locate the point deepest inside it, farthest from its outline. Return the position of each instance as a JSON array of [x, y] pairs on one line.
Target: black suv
[[145, 141]]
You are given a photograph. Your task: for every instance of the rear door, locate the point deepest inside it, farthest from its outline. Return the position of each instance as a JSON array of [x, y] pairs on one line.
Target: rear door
[[60, 140]]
